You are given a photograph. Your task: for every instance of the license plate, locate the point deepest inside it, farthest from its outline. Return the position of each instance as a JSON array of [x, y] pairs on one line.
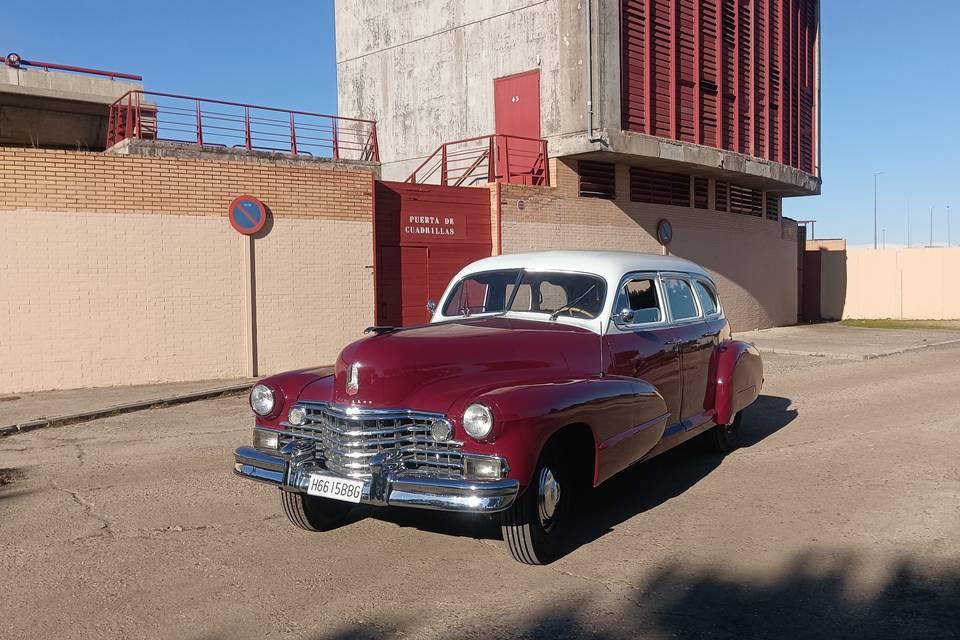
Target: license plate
[[335, 488]]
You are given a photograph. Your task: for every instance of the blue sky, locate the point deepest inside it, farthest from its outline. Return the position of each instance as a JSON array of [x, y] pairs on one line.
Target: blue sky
[[889, 86]]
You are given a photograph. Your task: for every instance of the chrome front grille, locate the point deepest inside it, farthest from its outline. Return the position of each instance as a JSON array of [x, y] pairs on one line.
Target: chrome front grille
[[345, 439]]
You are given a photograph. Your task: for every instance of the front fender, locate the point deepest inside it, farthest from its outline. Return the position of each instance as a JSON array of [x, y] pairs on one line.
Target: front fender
[[612, 407], [736, 378]]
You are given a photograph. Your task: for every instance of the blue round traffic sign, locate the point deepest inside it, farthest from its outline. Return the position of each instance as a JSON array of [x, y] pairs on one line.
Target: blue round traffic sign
[[247, 215]]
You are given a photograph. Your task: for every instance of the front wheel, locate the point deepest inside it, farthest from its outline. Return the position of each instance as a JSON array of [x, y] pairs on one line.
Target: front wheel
[[724, 438], [536, 526], [312, 513]]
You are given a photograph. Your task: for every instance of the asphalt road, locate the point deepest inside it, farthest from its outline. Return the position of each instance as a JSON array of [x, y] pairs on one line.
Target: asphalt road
[[839, 520]]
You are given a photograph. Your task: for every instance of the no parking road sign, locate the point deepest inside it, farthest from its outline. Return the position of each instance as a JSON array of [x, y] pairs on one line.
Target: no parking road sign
[[247, 215]]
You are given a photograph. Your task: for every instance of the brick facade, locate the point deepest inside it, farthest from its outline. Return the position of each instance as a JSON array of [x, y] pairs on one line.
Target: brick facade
[[123, 270]]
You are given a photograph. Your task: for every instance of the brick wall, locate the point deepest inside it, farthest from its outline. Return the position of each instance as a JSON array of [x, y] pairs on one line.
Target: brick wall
[[124, 270], [753, 260]]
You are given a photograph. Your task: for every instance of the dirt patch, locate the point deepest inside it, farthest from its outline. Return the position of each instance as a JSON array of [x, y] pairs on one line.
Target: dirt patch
[[946, 325], [9, 476], [9, 398]]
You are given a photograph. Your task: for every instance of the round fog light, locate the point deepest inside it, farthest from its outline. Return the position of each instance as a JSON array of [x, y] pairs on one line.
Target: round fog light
[[441, 430], [297, 416]]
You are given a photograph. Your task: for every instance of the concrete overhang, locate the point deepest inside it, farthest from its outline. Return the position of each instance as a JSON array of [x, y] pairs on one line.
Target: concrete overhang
[[662, 154], [55, 109]]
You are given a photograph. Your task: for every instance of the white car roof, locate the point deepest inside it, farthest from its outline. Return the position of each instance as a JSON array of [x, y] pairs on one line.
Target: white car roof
[[611, 265]]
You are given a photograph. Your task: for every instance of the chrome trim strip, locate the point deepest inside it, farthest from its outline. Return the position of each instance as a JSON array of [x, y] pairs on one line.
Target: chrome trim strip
[[385, 488], [623, 435], [255, 458]]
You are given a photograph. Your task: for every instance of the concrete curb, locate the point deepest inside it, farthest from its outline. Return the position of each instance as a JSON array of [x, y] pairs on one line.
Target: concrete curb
[[850, 356], [127, 407]]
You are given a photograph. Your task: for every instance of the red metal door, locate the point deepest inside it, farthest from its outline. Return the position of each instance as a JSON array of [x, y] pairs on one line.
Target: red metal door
[[424, 235], [516, 102]]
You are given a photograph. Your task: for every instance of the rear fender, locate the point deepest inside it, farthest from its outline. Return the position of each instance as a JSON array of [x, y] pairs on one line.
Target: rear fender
[[736, 377], [611, 407]]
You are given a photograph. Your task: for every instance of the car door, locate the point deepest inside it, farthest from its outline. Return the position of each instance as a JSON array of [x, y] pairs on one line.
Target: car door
[[645, 345], [697, 338]]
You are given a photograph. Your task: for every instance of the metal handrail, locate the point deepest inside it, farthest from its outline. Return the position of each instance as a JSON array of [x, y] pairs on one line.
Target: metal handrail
[[156, 115], [458, 164], [65, 67]]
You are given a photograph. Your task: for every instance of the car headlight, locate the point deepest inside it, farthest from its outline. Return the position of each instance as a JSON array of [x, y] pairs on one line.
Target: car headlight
[[478, 421], [262, 400]]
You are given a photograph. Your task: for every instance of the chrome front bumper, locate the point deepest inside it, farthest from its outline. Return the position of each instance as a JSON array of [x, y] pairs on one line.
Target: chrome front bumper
[[385, 487]]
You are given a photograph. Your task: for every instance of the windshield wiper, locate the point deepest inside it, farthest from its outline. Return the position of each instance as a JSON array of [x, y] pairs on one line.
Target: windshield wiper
[[553, 316]]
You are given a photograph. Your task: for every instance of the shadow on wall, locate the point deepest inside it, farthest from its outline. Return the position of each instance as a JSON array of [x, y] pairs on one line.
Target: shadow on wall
[[713, 251], [617, 500], [825, 286], [817, 595]]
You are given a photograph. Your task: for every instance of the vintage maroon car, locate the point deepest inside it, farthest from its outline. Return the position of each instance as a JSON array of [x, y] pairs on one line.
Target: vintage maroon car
[[540, 375]]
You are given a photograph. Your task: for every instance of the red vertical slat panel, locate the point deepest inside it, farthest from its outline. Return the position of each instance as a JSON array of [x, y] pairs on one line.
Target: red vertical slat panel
[[633, 64], [661, 68], [708, 70], [686, 85], [773, 92], [728, 63], [736, 74], [745, 76], [761, 78]]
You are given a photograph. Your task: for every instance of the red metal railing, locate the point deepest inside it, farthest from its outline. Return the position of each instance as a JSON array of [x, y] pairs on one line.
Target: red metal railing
[[113, 75], [149, 115], [489, 158]]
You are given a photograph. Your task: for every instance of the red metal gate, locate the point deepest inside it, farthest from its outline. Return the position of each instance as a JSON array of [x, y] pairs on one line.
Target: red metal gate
[[424, 234]]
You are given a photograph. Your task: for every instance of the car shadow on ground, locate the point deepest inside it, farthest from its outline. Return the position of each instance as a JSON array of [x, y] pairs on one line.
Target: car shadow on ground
[[617, 500], [818, 593]]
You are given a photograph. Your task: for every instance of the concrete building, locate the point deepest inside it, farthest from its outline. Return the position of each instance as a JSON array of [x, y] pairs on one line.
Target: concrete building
[[43, 107], [703, 112]]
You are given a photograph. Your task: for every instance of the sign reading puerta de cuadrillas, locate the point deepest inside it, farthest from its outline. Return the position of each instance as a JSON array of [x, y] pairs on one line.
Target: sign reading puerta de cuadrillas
[[432, 227]]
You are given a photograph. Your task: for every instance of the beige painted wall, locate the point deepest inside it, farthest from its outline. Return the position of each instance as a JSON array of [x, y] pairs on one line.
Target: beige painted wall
[[910, 284], [753, 260], [119, 271], [116, 299]]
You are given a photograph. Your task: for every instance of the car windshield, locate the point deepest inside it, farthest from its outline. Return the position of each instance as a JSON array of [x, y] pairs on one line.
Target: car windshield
[[552, 293]]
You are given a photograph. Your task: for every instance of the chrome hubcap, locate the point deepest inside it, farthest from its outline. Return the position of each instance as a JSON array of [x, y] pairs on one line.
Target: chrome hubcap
[[549, 494]]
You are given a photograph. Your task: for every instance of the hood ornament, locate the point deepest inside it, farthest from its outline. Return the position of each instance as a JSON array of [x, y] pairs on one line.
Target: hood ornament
[[353, 379]]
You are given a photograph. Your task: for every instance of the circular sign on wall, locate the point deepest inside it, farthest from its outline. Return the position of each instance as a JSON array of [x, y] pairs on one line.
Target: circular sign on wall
[[664, 232], [247, 215], [521, 205]]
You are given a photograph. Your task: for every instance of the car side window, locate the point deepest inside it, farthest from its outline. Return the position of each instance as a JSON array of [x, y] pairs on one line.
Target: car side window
[[680, 296], [640, 296], [707, 297]]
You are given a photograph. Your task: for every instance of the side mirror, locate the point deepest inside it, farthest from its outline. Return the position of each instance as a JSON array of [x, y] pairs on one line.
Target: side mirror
[[626, 316], [431, 306]]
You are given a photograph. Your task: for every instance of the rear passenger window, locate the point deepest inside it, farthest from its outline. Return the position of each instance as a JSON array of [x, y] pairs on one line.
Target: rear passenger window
[[680, 296], [707, 296], [641, 298]]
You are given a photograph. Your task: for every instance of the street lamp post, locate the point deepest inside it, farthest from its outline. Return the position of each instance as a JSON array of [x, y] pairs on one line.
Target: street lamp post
[[931, 226], [948, 225]]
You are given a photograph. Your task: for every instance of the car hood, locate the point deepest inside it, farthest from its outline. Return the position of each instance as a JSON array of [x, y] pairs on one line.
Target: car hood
[[431, 367]]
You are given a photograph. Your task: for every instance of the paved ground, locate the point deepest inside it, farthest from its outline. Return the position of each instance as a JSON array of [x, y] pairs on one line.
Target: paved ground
[[839, 520], [834, 340], [24, 407]]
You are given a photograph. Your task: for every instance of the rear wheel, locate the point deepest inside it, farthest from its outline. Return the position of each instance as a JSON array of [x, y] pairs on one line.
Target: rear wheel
[[725, 437], [312, 513], [536, 526]]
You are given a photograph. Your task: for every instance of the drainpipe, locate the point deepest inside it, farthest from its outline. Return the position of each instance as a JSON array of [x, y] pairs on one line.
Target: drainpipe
[[590, 136]]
